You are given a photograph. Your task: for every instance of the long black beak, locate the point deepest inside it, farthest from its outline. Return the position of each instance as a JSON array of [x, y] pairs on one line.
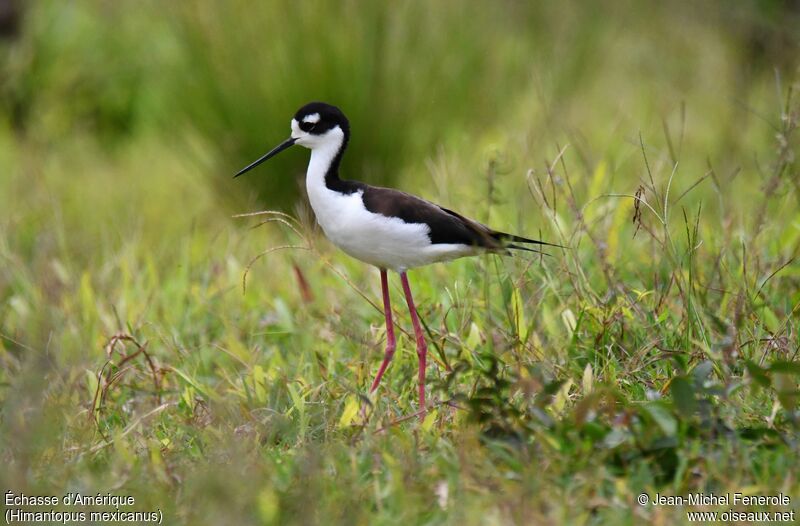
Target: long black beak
[[272, 153]]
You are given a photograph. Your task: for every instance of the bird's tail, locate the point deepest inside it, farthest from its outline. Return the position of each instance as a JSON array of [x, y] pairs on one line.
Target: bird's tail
[[509, 247], [502, 236]]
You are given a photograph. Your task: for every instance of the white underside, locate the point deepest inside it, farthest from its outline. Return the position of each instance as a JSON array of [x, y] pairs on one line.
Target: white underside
[[386, 242]]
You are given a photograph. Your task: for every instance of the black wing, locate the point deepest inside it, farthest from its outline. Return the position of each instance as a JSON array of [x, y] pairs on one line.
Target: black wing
[[445, 225]]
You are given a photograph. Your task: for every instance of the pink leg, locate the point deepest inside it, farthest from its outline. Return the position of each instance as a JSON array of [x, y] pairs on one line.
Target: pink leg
[[390, 341], [422, 346]]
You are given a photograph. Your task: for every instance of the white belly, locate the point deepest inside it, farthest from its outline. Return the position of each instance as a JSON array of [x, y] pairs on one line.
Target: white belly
[[385, 242]]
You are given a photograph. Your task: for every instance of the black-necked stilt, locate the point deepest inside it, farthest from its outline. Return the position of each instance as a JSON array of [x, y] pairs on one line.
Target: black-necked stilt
[[381, 226]]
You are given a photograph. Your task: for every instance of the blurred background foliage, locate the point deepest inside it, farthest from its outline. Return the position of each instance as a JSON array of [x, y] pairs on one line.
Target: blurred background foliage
[[410, 77], [657, 354]]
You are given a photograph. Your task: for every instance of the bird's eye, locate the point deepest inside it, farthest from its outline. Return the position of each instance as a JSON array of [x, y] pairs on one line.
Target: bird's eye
[[307, 126]]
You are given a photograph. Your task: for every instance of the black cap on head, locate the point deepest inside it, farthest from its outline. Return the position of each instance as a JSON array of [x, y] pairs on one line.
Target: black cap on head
[[315, 118], [329, 117]]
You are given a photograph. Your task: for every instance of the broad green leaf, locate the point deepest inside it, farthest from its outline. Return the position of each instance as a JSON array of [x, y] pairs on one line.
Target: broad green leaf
[[430, 419], [701, 371], [268, 505], [758, 374], [349, 413], [662, 417], [783, 366], [683, 395]]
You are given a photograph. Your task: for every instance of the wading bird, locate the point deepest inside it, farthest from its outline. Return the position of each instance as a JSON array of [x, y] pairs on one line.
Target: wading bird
[[381, 226]]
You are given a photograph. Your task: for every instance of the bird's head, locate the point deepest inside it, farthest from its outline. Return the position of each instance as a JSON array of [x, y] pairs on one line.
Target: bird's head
[[315, 125]]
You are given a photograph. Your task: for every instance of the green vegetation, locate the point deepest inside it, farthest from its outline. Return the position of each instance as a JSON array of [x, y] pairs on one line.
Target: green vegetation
[[658, 354]]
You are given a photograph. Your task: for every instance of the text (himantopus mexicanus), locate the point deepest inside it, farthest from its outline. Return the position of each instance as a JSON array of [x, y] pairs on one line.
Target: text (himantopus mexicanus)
[[381, 226]]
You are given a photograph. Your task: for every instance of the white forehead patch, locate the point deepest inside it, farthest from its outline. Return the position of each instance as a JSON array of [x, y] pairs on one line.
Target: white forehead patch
[[314, 117]]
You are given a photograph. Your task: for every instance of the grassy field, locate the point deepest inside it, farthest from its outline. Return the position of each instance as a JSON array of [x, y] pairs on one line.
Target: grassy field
[[216, 368]]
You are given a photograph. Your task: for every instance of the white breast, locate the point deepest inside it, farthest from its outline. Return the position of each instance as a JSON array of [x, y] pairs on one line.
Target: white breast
[[386, 242]]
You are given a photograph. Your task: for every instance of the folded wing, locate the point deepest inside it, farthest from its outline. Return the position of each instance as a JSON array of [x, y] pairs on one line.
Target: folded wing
[[446, 226]]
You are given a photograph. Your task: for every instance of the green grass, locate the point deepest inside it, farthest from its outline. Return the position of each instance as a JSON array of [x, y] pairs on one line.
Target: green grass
[[658, 353]]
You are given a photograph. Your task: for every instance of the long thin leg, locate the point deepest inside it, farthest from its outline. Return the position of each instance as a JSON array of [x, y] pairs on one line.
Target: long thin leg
[[390, 341], [422, 346]]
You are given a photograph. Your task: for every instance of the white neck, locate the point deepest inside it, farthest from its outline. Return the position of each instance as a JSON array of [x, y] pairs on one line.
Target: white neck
[[322, 156]]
